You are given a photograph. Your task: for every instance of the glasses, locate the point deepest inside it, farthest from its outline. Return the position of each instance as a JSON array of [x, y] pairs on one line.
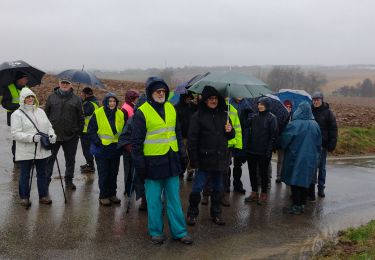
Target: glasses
[[160, 91], [65, 82]]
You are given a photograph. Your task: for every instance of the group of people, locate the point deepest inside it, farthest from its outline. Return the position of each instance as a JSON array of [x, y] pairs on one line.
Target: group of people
[[160, 142]]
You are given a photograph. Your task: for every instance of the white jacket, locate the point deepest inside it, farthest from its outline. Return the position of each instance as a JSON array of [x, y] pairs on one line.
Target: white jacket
[[23, 130]]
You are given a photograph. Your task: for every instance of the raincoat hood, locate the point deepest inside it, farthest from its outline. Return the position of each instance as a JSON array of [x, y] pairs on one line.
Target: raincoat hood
[[210, 91], [266, 102], [154, 83], [25, 92], [106, 98], [303, 112]]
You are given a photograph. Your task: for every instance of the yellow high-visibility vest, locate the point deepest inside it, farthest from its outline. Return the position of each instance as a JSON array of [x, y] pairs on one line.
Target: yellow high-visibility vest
[[15, 93], [87, 118], [104, 128], [161, 134], [235, 142]]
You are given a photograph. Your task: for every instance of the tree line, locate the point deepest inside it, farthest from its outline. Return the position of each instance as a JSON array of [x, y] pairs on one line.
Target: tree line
[[361, 89]]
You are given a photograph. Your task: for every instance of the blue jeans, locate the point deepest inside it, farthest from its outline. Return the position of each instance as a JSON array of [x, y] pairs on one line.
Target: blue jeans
[[107, 171], [170, 187], [321, 170], [24, 180], [216, 178]]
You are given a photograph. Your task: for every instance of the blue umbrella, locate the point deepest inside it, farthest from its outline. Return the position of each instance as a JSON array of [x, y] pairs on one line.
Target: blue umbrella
[[294, 96], [81, 76]]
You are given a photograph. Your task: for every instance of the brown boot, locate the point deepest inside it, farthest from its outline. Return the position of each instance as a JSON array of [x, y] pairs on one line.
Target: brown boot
[[114, 200], [263, 199], [25, 202], [253, 197], [105, 202], [45, 200]]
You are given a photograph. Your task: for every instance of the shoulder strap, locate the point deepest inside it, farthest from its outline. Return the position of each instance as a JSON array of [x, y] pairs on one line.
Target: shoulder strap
[[29, 119]]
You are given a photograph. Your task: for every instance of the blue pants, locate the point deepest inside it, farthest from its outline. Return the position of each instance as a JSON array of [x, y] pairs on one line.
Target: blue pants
[[107, 171], [216, 181], [170, 188], [321, 170], [42, 180]]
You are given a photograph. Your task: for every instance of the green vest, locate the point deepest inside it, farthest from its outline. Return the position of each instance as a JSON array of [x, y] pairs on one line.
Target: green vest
[[235, 142], [161, 135], [87, 118], [15, 93], [104, 128]]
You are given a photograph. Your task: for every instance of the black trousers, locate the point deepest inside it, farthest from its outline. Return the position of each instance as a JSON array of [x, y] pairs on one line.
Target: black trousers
[[85, 143], [261, 163], [299, 195]]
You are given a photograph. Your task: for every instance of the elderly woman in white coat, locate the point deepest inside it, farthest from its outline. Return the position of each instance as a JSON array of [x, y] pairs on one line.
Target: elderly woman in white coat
[[28, 146]]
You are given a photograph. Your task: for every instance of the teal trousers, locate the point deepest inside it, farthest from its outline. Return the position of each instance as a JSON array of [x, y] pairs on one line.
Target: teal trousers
[[170, 187]]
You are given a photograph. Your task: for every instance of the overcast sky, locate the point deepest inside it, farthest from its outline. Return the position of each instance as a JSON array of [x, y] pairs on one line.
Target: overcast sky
[[122, 34]]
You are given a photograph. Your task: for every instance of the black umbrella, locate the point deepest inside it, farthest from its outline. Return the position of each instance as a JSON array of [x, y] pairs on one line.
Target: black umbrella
[[81, 76], [9, 69]]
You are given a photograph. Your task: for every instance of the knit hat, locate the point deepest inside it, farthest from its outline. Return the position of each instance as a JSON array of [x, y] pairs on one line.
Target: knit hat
[[288, 103], [317, 95], [87, 91], [131, 95]]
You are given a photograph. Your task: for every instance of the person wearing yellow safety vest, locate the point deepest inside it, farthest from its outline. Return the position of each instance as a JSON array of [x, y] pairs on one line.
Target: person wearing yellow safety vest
[[11, 98], [89, 104], [159, 157], [104, 129]]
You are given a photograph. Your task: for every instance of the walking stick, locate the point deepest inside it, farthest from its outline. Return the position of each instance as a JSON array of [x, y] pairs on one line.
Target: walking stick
[[62, 186], [132, 170], [32, 174]]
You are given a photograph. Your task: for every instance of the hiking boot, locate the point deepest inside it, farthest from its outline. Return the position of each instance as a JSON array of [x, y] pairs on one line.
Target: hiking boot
[[105, 202], [158, 240], [204, 200], [294, 210], [187, 240], [263, 199], [190, 175], [88, 169], [321, 193], [218, 220], [83, 166], [143, 206], [239, 190], [278, 180], [114, 200], [191, 220], [252, 198], [45, 200], [224, 201], [25, 202], [70, 186]]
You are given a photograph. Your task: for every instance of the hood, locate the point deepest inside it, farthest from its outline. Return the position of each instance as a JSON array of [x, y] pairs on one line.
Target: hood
[[25, 92], [154, 83], [303, 112], [210, 91], [107, 96], [183, 96], [142, 99], [266, 102], [131, 95]]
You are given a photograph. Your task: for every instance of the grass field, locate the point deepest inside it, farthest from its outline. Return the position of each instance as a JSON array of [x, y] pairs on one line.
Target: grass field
[[355, 141]]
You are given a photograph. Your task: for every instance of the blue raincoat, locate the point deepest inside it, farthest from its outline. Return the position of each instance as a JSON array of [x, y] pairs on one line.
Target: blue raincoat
[[302, 142]]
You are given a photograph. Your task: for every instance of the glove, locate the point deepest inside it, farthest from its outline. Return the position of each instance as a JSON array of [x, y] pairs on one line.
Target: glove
[[141, 173], [36, 138], [52, 139], [184, 164]]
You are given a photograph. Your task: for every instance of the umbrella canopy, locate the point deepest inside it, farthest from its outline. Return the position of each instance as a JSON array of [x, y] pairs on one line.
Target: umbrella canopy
[[294, 96], [277, 108], [81, 76], [232, 84], [9, 69], [182, 88]]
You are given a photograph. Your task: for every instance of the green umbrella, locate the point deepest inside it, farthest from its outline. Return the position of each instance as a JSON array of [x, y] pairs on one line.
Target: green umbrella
[[232, 84]]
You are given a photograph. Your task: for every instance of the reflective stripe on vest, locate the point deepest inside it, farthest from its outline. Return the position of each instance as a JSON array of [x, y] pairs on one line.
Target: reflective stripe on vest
[[87, 118], [104, 128], [128, 109], [15, 93], [235, 142], [161, 135]]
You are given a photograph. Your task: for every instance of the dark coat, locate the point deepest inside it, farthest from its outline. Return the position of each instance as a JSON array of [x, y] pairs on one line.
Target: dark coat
[[88, 107], [97, 148], [263, 132], [328, 126], [184, 114], [301, 141], [161, 166], [207, 139], [7, 102], [65, 114]]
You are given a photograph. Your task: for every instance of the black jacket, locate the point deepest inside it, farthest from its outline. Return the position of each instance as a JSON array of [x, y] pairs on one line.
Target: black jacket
[[263, 133], [328, 126], [65, 114], [184, 114], [7, 102], [88, 107], [207, 139]]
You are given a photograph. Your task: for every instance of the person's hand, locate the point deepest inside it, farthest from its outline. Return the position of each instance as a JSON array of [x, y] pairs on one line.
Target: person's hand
[[128, 148], [228, 127], [52, 139], [36, 138]]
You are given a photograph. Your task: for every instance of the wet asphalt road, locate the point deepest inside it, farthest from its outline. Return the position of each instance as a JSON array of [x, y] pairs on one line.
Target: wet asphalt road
[[82, 229]]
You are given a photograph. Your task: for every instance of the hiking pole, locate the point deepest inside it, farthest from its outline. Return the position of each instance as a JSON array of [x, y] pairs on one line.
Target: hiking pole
[[131, 188], [62, 186], [32, 174]]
